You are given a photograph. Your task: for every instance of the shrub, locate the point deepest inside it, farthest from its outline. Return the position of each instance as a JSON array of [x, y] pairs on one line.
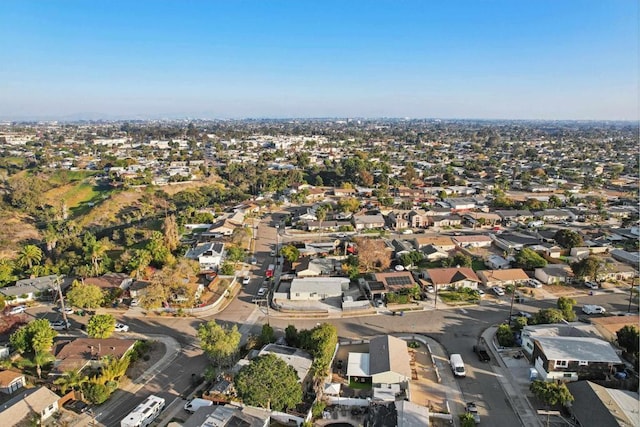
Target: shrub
[[505, 335], [317, 409]]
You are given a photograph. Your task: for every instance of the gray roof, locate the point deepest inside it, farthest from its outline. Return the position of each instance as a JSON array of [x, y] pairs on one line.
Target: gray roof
[[300, 360], [595, 405], [35, 399], [578, 348], [228, 416], [390, 354], [198, 251], [34, 285], [325, 285]]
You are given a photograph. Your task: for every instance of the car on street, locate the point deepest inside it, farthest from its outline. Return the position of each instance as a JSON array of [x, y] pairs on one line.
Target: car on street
[[121, 327], [480, 293], [253, 260], [262, 292], [59, 325], [593, 309], [134, 302], [18, 309], [430, 289], [67, 309], [341, 235], [472, 409], [521, 314], [245, 280], [498, 291]]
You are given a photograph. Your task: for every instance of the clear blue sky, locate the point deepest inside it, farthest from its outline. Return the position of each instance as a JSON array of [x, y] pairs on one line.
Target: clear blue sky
[[520, 59]]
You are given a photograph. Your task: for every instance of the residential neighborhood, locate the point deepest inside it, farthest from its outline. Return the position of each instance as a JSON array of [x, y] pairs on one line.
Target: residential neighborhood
[[162, 262]]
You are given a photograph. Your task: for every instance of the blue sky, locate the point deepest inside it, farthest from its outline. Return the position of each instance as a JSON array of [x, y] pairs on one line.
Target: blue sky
[[535, 59]]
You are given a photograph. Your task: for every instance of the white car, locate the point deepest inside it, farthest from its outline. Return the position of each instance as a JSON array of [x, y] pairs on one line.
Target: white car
[[18, 309], [121, 327], [592, 285], [262, 292], [480, 293], [134, 302], [245, 280], [593, 309], [534, 283], [67, 309], [60, 325], [498, 291], [430, 289]]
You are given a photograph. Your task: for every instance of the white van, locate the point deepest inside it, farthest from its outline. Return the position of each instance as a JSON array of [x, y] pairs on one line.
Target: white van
[[197, 403], [457, 365]]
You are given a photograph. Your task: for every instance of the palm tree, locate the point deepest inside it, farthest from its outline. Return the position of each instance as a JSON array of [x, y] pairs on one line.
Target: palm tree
[[71, 379], [29, 255], [321, 214], [96, 250], [41, 358]]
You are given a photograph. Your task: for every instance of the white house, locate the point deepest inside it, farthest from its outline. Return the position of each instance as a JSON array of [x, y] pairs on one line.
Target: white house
[[41, 401], [317, 288], [554, 273], [209, 255]]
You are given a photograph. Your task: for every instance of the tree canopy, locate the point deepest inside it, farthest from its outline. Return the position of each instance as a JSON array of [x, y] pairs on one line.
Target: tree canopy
[[568, 238], [101, 326], [628, 338], [565, 305], [546, 316], [270, 383], [372, 254], [551, 393], [220, 343], [35, 337], [290, 253], [85, 296], [529, 259], [586, 268]]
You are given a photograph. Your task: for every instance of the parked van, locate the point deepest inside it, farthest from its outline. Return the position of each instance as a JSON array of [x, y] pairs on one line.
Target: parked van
[[457, 365], [197, 403]]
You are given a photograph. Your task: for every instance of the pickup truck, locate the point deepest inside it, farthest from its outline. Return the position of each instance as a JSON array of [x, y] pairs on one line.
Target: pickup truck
[[482, 353]]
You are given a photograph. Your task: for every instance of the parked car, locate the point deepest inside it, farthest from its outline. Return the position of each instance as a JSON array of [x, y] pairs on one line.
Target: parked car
[[534, 283], [521, 314], [77, 406], [121, 327], [480, 293], [134, 302], [60, 325], [18, 309], [262, 292], [245, 280], [430, 289], [472, 409], [591, 285], [498, 291], [67, 309]]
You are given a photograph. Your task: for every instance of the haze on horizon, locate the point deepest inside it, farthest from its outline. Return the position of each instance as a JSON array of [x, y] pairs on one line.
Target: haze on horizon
[[556, 60]]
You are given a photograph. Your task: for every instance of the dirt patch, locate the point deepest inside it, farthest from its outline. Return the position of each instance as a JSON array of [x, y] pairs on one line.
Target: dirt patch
[[15, 229], [181, 186], [155, 353]]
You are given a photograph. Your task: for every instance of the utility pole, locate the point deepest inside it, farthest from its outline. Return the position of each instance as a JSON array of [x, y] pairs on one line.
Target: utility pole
[[513, 295], [62, 308]]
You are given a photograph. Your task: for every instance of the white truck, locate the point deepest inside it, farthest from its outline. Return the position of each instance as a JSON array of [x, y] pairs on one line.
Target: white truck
[[593, 309]]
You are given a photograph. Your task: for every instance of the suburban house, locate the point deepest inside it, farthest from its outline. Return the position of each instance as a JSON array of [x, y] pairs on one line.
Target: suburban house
[[443, 243], [554, 273], [453, 277], [317, 288], [601, 406], [473, 241], [432, 253], [573, 358], [229, 416], [510, 276], [397, 281], [82, 352], [514, 215], [514, 241], [391, 364], [110, 281], [44, 287], [209, 255], [298, 359], [225, 228], [496, 262], [11, 381], [572, 329], [418, 219], [40, 401], [440, 221], [367, 222], [398, 220], [553, 215]]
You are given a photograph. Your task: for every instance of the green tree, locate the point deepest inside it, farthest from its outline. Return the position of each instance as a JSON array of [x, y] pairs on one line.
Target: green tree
[[96, 251], [219, 343], [101, 326], [36, 336], [235, 254], [3, 302], [160, 253], [41, 358], [291, 336], [71, 379], [565, 305], [290, 253], [586, 268], [628, 338], [227, 269], [529, 259], [505, 335], [96, 392], [29, 256], [568, 238], [466, 420], [267, 335], [551, 393], [6, 272], [85, 296], [348, 204], [270, 383], [321, 214], [171, 234], [547, 316]]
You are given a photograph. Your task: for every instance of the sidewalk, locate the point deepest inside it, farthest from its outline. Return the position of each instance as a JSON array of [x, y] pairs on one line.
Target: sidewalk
[[514, 380]]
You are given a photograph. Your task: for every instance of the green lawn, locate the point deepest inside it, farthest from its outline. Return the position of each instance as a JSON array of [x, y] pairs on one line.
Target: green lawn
[[359, 386], [461, 296], [478, 264]]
